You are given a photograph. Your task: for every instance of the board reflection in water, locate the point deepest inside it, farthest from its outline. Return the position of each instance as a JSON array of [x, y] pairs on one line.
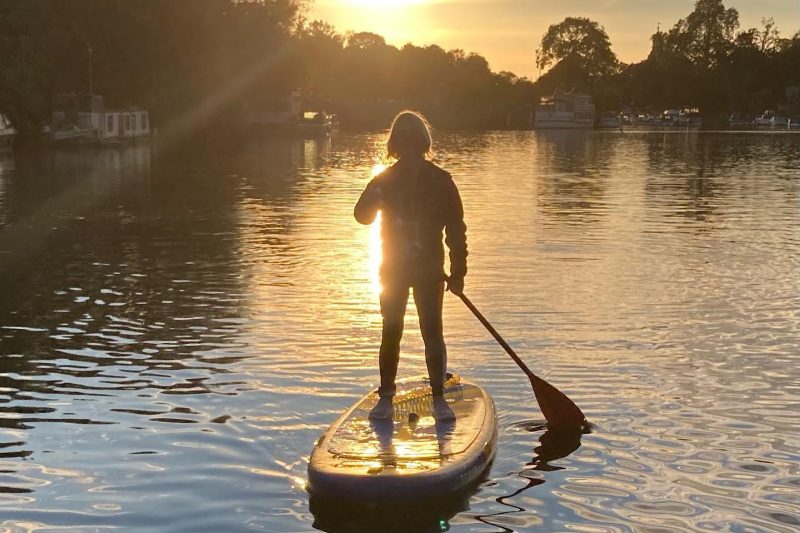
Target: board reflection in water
[[424, 516], [434, 514]]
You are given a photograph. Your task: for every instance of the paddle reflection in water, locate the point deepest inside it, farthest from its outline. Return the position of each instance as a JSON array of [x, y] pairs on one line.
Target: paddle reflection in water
[[553, 445]]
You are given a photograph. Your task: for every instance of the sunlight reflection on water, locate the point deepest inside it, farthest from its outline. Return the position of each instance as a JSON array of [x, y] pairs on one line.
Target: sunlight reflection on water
[[177, 329]]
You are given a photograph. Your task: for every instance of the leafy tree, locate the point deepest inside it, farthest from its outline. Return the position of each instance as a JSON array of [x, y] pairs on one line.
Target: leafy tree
[[666, 79], [365, 40], [212, 59], [318, 52], [767, 38], [181, 58], [582, 39], [706, 35]]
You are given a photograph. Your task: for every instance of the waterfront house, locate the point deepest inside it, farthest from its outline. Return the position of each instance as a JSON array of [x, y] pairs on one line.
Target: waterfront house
[[85, 118]]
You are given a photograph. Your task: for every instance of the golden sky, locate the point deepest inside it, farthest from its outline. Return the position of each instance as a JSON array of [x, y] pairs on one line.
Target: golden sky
[[507, 32]]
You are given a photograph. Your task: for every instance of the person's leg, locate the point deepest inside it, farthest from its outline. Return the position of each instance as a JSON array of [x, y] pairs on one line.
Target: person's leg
[[393, 308], [428, 298]]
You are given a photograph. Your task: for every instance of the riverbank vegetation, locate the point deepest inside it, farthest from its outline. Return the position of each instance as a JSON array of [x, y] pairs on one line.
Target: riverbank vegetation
[[205, 64]]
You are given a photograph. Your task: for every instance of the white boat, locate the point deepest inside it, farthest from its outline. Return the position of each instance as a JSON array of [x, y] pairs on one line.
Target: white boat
[[769, 119], [85, 118], [641, 119], [669, 117], [72, 134], [680, 118], [287, 116], [7, 134], [317, 123], [564, 110], [690, 118]]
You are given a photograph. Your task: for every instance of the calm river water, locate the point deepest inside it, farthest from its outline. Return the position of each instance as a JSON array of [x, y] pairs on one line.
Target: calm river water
[[179, 326]]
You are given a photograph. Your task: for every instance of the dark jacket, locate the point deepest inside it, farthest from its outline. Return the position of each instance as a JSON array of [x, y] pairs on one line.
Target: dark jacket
[[417, 202]]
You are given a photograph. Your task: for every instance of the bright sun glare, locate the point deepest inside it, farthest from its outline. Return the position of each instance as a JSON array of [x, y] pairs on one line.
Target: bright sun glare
[[385, 3], [375, 252], [397, 21]]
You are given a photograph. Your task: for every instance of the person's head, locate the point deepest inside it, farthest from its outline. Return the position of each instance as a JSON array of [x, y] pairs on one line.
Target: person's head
[[410, 136]]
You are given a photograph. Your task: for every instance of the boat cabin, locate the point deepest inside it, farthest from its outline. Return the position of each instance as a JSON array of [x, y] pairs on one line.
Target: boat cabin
[[87, 116], [565, 110]]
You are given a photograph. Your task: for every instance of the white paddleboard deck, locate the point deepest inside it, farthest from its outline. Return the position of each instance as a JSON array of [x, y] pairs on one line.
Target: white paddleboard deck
[[412, 455]]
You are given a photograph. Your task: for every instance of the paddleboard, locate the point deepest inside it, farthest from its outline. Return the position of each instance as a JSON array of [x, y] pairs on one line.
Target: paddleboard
[[410, 456]]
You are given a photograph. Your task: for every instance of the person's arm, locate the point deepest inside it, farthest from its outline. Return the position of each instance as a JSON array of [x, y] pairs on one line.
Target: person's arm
[[368, 205], [455, 238]]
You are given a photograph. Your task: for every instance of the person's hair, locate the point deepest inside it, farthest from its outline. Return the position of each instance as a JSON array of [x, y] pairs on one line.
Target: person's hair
[[410, 134]]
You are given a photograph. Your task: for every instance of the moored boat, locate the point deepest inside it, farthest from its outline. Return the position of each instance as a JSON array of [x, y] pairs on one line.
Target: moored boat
[[770, 119], [289, 116], [86, 119], [317, 123], [690, 118], [564, 110]]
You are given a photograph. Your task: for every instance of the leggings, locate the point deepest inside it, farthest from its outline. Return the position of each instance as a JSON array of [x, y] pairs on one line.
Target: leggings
[[428, 296]]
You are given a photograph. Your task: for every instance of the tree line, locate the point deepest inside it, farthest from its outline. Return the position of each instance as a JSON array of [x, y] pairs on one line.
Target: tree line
[[205, 64], [704, 61]]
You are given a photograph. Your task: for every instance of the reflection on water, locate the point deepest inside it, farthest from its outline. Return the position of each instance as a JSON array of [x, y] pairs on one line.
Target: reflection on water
[[432, 516], [552, 446], [178, 327]]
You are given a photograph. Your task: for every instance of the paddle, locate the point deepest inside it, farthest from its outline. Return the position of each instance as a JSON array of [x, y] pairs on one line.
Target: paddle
[[560, 412]]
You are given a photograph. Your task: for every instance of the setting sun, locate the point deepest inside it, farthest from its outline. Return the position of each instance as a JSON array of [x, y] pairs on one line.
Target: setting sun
[[385, 3], [398, 21]]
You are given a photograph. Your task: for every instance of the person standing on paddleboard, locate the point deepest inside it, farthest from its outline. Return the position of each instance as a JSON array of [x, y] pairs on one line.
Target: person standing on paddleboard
[[418, 201]]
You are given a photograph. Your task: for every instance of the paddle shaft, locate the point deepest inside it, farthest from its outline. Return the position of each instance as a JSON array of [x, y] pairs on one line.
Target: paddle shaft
[[560, 412], [500, 340]]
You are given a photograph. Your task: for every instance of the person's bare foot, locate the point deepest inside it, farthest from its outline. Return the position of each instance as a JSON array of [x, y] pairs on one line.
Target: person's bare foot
[[382, 410], [442, 411]]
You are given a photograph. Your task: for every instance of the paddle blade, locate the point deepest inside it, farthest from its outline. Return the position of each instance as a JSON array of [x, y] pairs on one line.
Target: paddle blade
[[561, 413]]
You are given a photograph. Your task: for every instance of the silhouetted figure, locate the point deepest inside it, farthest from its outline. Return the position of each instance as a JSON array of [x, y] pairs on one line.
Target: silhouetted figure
[[418, 200]]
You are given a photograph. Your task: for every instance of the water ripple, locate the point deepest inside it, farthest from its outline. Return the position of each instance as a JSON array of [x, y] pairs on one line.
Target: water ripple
[[177, 329]]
